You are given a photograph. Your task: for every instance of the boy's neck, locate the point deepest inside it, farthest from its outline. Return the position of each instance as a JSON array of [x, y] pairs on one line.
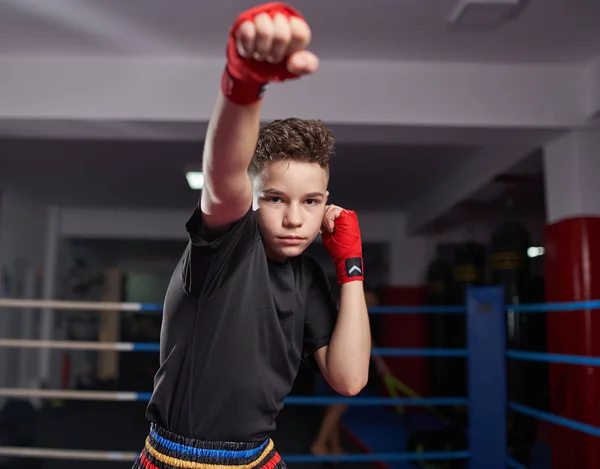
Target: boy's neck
[[275, 258]]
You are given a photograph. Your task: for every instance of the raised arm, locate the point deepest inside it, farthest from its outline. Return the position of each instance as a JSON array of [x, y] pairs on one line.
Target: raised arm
[[266, 44]]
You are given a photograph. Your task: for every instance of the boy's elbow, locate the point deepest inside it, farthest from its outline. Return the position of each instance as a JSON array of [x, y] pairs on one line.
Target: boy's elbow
[[352, 385], [351, 391]]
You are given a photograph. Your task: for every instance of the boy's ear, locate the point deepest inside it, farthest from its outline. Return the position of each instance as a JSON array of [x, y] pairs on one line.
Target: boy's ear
[[326, 196]]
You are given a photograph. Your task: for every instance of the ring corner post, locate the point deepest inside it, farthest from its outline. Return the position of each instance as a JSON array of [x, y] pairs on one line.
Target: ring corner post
[[486, 341]]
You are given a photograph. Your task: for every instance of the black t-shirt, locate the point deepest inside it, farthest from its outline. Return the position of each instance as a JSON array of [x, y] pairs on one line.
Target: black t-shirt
[[235, 329]]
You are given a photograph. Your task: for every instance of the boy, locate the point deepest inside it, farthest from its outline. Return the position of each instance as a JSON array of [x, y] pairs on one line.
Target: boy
[[244, 308]]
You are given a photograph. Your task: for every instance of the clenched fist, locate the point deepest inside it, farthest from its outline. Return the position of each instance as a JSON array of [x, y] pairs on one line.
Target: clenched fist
[[341, 237], [267, 44], [277, 39]]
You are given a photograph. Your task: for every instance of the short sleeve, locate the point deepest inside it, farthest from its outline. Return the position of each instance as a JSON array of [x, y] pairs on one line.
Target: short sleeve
[[321, 313], [210, 259]]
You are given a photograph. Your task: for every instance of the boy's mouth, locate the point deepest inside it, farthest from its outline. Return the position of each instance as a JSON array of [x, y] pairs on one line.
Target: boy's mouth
[[291, 240]]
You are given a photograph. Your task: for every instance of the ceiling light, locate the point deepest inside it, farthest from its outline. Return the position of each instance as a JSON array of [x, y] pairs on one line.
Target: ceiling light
[[535, 251], [195, 180]]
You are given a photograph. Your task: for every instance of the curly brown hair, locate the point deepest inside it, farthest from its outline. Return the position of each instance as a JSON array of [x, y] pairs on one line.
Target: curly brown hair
[[293, 139]]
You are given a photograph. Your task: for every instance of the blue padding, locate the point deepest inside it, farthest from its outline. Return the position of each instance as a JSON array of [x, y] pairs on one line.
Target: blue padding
[[380, 430], [555, 419], [374, 457], [418, 310], [420, 352], [486, 340], [551, 307], [376, 401], [510, 462], [146, 347], [553, 358]]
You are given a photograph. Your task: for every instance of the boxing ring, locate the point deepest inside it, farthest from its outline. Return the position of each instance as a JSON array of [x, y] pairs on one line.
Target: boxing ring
[[486, 356]]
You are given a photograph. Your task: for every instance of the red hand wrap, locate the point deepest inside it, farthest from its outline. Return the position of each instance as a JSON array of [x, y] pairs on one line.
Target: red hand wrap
[[345, 247], [244, 79]]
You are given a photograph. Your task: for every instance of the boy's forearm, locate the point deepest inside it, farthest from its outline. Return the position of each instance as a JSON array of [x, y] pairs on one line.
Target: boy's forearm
[[230, 143], [349, 351]]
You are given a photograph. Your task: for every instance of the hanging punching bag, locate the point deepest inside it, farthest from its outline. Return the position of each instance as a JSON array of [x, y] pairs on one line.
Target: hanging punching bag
[[469, 269], [439, 293], [510, 270], [509, 261]]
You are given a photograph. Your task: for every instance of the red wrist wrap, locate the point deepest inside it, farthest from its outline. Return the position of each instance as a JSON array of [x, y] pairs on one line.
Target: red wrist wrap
[[345, 247], [244, 79]]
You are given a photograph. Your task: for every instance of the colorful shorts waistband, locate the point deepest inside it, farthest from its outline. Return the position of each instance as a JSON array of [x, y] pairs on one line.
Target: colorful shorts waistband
[[165, 450]]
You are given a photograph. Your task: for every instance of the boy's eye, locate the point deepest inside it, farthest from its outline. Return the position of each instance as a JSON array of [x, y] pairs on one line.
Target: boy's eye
[[311, 202], [274, 199]]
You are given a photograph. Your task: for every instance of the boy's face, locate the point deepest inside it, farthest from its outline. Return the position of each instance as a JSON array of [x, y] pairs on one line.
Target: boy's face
[[290, 197]]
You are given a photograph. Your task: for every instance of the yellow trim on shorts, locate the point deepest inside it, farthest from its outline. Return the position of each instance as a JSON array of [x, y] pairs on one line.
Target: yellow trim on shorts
[[199, 465]]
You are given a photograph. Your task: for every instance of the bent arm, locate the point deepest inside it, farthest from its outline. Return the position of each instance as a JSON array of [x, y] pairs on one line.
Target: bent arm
[[345, 361], [228, 149]]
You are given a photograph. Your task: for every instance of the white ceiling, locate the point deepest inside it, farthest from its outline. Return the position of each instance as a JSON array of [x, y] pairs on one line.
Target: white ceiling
[[518, 193], [547, 30], [152, 174]]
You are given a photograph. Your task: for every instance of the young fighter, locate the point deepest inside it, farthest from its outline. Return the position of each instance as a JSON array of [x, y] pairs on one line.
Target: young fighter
[[244, 307]]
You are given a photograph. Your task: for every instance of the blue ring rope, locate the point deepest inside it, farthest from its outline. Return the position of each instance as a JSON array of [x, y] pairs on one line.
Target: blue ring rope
[[151, 307], [419, 352], [553, 358], [382, 352], [555, 419], [553, 307], [377, 401], [357, 401], [418, 310], [145, 347]]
